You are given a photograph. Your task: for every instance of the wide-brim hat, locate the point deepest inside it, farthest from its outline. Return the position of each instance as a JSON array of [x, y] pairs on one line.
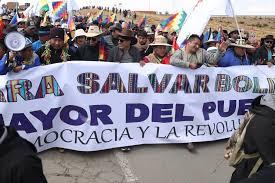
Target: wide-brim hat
[[160, 41], [128, 34], [93, 31], [242, 44], [79, 33], [269, 37]]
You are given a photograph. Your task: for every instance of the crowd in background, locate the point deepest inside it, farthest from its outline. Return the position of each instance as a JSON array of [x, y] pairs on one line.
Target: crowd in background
[[120, 41]]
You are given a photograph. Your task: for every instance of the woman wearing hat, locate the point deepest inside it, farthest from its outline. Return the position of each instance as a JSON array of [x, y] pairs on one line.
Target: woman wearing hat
[[91, 50], [125, 52], [161, 54], [236, 54], [22, 60], [263, 54]]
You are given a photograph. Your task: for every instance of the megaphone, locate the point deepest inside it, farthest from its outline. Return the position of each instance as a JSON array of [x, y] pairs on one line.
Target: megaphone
[[15, 41]]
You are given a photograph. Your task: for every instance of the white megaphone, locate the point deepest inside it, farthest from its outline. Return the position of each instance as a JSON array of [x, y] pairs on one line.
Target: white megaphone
[[15, 41]]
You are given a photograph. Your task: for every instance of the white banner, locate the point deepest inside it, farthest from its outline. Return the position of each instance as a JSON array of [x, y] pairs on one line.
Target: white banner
[[90, 106]]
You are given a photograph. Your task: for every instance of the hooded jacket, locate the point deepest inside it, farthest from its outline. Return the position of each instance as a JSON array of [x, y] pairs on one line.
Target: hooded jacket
[[18, 160], [260, 137]]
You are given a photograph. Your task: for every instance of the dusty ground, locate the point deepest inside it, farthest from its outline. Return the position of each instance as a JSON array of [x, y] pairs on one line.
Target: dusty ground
[[144, 164]]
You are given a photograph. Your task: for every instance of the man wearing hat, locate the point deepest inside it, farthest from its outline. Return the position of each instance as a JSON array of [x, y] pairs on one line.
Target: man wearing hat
[[160, 53], [79, 40], [22, 60], [21, 24], [263, 54], [112, 39], [236, 55], [55, 50], [233, 36], [44, 36], [211, 45], [90, 51], [125, 52], [18, 159]]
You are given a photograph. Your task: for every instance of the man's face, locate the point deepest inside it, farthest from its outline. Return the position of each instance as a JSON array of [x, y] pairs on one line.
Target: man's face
[[235, 35], [80, 40], [2, 52], [160, 51], [151, 38], [27, 53], [239, 51], [57, 43], [21, 25], [123, 43], [268, 43], [92, 41], [194, 45], [115, 33], [142, 40]]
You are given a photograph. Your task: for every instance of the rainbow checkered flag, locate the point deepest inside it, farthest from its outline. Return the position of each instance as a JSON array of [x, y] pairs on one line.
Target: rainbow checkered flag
[[174, 22], [59, 9]]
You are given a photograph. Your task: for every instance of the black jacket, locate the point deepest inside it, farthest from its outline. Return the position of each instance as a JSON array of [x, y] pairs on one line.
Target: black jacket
[[88, 53], [55, 55], [116, 54], [260, 137], [18, 161]]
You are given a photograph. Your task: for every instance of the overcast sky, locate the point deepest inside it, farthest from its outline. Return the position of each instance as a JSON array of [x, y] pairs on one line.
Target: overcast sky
[[243, 7]]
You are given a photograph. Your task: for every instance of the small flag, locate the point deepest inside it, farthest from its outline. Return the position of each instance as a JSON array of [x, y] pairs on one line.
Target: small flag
[[142, 22], [14, 19], [43, 4], [112, 18], [174, 22], [59, 9], [71, 24], [220, 35], [102, 52], [229, 9], [99, 17]]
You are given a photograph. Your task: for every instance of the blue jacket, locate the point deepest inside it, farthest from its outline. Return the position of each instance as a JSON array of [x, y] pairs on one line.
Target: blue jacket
[[36, 45], [231, 59], [4, 68]]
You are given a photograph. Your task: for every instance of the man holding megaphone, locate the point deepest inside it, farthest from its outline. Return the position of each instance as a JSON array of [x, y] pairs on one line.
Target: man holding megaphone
[[21, 55]]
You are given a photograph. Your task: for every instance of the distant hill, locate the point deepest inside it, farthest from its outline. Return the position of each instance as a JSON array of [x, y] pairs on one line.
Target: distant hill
[[261, 25]]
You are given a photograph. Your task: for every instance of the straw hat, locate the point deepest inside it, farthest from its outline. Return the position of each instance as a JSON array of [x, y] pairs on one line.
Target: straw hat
[[242, 44], [79, 33], [160, 41], [93, 31]]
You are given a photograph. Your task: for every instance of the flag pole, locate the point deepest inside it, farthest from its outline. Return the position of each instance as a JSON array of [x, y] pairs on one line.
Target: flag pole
[[235, 18]]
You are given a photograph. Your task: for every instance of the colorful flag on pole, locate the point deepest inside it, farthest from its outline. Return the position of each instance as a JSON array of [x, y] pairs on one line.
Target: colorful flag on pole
[[14, 19], [174, 22], [59, 9], [102, 52], [142, 22], [220, 35], [43, 5], [99, 17], [71, 24], [112, 18]]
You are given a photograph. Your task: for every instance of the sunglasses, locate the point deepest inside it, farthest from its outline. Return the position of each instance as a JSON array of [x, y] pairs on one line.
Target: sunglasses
[[269, 42]]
